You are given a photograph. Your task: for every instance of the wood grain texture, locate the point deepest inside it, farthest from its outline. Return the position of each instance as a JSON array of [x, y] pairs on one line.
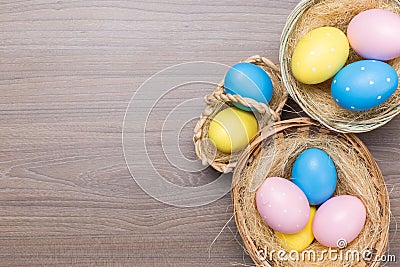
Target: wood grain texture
[[68, 72]]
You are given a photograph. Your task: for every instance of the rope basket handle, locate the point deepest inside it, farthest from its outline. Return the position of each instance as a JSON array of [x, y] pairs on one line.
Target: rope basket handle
[[220, 95]]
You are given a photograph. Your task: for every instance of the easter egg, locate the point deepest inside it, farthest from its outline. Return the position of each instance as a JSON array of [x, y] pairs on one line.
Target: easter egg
[[301, 240], [315, 174], [375, 34], [364, 84], [248, 81], [282, 205], [232, 129], [339, 220], [319, 55]]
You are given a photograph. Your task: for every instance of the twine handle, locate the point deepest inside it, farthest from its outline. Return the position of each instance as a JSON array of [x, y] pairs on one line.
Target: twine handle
[[248, 102]]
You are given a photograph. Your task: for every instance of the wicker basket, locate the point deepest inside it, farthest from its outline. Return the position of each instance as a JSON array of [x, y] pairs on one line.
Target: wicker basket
[[219, 100], [273, 152], [316, 99]]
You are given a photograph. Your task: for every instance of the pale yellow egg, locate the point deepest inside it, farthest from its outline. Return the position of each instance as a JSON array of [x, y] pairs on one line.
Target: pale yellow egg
[[301, 240], [232, 129], [319, 55]]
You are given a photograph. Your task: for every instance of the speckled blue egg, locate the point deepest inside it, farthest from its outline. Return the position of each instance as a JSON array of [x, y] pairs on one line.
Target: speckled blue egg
[[364, 84], [250, 81], [315, 173]]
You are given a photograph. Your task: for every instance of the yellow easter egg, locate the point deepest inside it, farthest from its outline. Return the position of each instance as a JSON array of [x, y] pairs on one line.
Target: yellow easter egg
[[301, 240], [319, 55], [232, 129]]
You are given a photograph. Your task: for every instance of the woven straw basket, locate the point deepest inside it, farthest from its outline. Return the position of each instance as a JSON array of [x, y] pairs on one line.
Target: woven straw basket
[[316, 100], [273, 152], [219, 100]]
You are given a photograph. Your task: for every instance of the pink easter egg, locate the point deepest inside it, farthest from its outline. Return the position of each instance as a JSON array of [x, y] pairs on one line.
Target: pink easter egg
[[339, 221], [282, 205], [375, 34]]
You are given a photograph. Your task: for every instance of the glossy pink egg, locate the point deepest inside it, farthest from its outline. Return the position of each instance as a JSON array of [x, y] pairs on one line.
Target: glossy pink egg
[[339, 221], [282, 205], [375, 34]]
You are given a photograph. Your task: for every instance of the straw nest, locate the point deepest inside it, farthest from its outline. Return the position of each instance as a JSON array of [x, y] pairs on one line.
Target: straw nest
[[316, 99], [219, 100], [273, 153]]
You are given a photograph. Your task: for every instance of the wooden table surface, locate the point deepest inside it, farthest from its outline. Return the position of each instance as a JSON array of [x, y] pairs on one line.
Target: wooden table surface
[[68, 72]]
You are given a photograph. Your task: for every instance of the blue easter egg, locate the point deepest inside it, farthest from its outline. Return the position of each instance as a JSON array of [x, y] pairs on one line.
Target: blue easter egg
[[315, 173], [364, 84], [249, 81]]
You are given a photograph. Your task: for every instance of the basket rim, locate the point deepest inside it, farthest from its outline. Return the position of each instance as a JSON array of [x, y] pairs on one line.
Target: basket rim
[[276, 129], [292, 19]]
